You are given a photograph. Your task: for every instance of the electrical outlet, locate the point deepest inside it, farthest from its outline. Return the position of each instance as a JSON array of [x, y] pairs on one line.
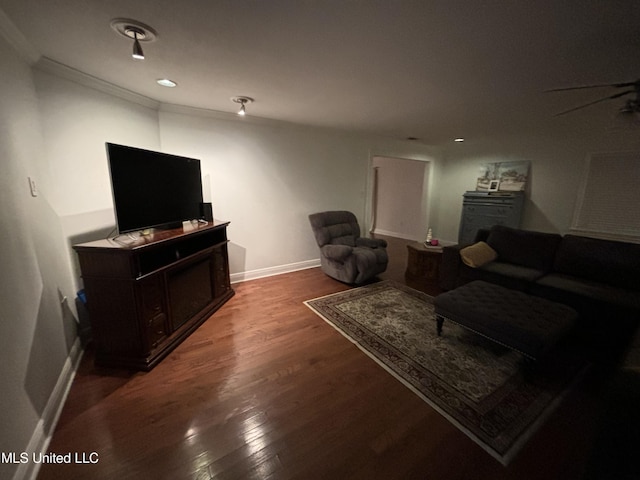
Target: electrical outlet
[[33, 187], [62, 297]]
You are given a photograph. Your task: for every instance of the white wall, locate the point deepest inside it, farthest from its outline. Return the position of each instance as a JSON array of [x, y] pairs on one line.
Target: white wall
[[76, 122], [37, 330], [263, 176], [53, 131], [267, 177], [557, 159]]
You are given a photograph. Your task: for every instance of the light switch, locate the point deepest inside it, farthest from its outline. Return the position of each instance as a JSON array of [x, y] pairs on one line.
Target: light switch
[[32, 187]]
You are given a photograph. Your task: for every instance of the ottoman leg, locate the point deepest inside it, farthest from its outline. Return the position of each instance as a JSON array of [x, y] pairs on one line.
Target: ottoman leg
[[439, 322]]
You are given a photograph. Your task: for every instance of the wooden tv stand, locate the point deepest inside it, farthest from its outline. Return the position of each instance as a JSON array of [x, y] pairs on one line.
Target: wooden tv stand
[[146, 295]]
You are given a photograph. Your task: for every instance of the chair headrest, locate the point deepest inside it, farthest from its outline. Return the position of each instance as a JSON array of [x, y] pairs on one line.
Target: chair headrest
[[337, 227]]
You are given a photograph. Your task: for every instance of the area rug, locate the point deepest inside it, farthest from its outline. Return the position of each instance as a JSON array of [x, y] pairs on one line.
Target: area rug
[[481, 387]]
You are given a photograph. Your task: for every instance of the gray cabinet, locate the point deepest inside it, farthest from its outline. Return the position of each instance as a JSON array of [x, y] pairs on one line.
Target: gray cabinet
[[485, 209]]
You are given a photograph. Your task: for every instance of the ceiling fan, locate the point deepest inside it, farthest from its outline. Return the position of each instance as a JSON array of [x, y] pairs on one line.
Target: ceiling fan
[[631, 106]]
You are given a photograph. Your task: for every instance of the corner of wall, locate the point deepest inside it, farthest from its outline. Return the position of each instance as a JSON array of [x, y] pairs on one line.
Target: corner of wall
[[43, 432]]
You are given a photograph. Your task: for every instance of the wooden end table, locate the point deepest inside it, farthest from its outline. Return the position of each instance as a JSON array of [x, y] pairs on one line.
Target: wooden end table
[[423, 262]]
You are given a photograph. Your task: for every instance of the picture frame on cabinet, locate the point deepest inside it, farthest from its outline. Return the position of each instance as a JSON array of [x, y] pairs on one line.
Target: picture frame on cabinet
[[511, 176]]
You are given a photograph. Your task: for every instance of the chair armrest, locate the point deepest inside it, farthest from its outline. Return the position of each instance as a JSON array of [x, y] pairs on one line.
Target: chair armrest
[[370, 242], [337, 252]]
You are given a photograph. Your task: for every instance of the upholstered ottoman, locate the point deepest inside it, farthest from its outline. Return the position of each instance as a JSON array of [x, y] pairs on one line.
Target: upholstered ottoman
[[521, 322]]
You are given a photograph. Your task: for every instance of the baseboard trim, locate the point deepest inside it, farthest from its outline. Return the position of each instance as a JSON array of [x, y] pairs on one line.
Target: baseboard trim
[[46, 425], [388, 233], [271, 271]]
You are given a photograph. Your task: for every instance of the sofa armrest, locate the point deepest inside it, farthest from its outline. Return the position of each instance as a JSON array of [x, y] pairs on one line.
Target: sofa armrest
[[450, 266], [338, 253], [452, 262]]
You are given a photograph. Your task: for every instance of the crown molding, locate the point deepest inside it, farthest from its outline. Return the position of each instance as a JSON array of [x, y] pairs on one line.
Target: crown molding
[[229, 116], [255, 120], [17, 40], [52, 67], [47, 65], [199, 112]]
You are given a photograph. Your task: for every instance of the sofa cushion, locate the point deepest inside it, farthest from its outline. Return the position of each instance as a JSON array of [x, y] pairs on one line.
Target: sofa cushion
[[478, 254], [603, 261], [517, 272], [522, 247], [508, 275], [592, 290]]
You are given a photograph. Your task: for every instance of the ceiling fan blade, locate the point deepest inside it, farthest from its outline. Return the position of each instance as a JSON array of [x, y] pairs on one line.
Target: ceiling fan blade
[[616, 85], [611, 97]]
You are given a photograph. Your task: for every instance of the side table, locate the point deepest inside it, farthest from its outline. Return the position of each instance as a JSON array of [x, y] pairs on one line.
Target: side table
[[423, 262]]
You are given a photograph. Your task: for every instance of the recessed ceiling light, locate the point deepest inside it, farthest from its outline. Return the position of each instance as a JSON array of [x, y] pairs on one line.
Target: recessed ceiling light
[[165, 82], [459, 140]]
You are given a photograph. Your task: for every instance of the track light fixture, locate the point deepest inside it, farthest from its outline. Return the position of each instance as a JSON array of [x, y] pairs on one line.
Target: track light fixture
[[138, 32], [242, 101], [138, 54]]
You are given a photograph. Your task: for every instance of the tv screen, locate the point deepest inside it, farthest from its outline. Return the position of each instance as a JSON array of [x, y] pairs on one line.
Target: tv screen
[[153, 189]]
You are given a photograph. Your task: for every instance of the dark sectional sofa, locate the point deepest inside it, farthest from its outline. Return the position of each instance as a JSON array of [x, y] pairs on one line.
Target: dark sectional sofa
[[599, 278]]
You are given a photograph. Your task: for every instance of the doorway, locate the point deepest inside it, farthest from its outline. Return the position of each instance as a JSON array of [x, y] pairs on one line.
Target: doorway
[[400, 197]]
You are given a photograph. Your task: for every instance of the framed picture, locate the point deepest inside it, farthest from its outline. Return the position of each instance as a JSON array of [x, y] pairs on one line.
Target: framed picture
[[513, 176], [503, 177]]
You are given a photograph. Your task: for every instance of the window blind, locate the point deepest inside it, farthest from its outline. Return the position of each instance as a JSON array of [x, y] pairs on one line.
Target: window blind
[[609, 201]]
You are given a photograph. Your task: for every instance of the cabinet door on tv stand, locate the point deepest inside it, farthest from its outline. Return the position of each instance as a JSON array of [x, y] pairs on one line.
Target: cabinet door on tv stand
[[153, 310], [221, 282], [114, 322]]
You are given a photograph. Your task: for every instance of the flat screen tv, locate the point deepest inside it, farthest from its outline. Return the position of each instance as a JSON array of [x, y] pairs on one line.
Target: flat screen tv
[[153, 189]]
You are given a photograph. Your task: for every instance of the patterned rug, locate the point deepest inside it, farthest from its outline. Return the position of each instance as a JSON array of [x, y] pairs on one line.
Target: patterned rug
[[476, 384]]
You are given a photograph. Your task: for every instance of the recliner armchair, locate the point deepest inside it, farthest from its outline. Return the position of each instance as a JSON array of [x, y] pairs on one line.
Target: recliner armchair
[[344, 254]]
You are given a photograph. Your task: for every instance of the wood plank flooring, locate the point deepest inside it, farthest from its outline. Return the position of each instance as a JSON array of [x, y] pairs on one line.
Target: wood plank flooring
[[265, 389]]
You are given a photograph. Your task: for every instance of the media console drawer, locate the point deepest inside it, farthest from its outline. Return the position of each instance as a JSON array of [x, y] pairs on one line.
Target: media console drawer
[[145, 296]]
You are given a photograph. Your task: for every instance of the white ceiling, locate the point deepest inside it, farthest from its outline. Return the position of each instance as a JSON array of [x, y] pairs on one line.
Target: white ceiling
[[428, 69]]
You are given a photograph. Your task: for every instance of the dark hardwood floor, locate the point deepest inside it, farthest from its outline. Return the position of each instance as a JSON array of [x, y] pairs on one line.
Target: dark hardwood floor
[[266, 389]]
